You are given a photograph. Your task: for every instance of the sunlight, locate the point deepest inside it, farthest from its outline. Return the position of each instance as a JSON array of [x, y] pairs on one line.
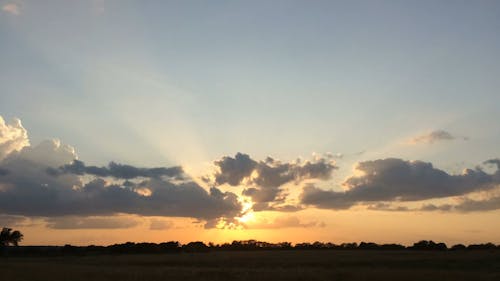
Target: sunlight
[[248, 214]]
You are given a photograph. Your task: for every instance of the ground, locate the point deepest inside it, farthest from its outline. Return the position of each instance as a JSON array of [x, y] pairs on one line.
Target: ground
[[261, 265]]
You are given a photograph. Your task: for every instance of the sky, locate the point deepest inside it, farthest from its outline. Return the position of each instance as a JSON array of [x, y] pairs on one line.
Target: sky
[[338, 121]]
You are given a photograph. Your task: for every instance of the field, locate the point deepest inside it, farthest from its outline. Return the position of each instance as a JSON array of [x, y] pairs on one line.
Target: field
[[260, 265]]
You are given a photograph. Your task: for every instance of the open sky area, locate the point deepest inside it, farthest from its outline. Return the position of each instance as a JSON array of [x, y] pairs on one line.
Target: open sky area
[[296, 121]]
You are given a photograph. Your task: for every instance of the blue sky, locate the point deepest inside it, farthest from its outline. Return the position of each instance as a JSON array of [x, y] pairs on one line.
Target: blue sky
[[267, 77], [185, 82]]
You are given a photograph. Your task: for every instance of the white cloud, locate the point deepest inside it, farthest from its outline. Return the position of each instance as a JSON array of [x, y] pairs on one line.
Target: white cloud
[[13, 137]]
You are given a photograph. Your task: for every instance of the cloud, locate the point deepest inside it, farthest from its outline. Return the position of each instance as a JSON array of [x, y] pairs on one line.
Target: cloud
[[471, 205], [463, 204], [11, 221], [399, 180], [433, 137], [32, 192], [118, 171], [13, 137], [467, 205], [264, 206], [12, 8], [266, 177], [284, 222], [234, 170], [387, 207], [160, 224], [50, 153], [27, 189], [432, 207], [72, 222]]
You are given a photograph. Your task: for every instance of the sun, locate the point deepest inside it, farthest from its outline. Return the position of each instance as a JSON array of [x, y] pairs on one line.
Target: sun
[[248, 214]]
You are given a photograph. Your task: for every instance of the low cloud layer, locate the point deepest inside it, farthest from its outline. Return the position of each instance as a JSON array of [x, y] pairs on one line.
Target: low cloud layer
[[399, 180], [115, 222], [461, 205], [160, 224], [27, 189], [265, 178], [466, 205], [12, 221], [284, 222]]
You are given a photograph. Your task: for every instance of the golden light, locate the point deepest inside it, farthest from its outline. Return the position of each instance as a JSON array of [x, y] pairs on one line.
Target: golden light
[[248, 214], [246, 217], [143, 191]]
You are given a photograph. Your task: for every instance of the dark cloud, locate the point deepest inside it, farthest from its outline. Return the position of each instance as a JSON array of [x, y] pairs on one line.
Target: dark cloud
[[399, 180], [234, 170], [3, 172], [115, 222], [28, 189], [118, 171], [467, 205], [266, 177], [493, 162], [97, 197]]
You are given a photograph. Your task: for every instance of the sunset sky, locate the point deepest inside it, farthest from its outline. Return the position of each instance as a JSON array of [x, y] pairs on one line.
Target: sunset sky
[[340, 121]]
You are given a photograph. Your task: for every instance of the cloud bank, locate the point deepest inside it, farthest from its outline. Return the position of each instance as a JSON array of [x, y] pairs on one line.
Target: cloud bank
[[399, 180], [115, 222], [47, 180]]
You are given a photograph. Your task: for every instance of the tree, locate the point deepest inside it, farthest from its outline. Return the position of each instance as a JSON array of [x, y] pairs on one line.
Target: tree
[[9, 237]]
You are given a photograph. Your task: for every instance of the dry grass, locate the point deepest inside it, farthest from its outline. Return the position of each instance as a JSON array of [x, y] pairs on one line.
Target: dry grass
[[266, 265]]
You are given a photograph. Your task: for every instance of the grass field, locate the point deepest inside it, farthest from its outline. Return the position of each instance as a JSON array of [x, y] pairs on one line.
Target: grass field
[[261, 265]]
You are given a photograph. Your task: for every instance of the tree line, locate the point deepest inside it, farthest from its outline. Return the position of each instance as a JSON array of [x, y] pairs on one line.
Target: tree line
[[9, 238], [247, 245]]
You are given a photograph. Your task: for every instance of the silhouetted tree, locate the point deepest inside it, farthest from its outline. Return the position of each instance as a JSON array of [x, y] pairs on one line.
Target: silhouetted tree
[[368, 246], [429, 245], [351, 246], [9, 237], [458, 247], [487, 246], [197, 246]]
